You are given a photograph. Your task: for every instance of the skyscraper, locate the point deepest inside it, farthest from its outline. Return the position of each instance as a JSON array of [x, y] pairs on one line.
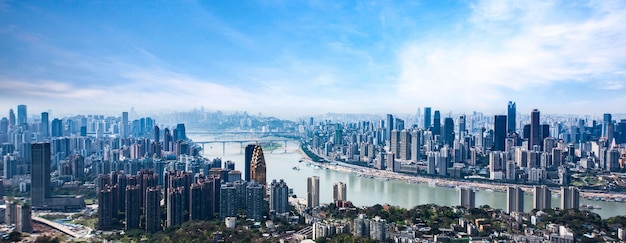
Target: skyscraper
[[248, 160], [181, 134], [467, 197], [313, 191], [462, 127], [437, 123], [405, 145], [22, 117], [426, 117], [339, 192], [45, 125], [416, 145], [535, 130], [40, 174], [448, 131], [389, 126], [157, 134], [12, 121], [510, 124], [499, 132], [607, 119], [257, 166], [542, 197], [125, 126], [515, 199], [279, 195]]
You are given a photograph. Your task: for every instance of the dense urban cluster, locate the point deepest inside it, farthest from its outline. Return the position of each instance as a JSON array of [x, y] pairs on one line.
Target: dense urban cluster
[[134, 175]]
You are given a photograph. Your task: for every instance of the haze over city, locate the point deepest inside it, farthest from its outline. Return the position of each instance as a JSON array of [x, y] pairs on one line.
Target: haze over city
[[288, 58]]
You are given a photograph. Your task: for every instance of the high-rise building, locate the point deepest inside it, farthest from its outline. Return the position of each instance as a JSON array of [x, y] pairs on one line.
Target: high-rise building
[[125, 126], [515, 199], [257, 166], [228, 200], [405, 145], [45, 125], [542, 197], [254, 200], [57, 128], [175, 206], [606, 121], [279, 197], [437, 123], [22, 116], [339, 192], [427, 117], [416, 136], [248, 160], [132, 214], [12, 121], [499, 132], [157, 134], [394, 142], [510, 115], [313, 191], [181, 134], [462, 127], [535, 130], [448, 131], [152, 210], [570, 198], [378, 229], [389, 127], [467, 197], [40, 174]]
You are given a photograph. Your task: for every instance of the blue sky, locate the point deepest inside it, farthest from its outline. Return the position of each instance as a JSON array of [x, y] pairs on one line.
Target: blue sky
[[291, 58]]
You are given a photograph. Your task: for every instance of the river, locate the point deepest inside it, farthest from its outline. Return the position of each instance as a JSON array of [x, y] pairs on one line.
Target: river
[[363, 191]]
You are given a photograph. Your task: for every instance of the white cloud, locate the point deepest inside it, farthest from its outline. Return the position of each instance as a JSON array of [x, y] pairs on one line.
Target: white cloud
[[514, 47]]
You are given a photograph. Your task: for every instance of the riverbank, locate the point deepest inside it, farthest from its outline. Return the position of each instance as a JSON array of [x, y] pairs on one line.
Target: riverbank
[[445, 182]]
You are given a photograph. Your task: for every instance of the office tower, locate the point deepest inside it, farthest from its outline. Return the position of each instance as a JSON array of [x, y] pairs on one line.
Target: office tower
[[607, 120], [499, 132], [228, 200], [339, 192], [257, 166], [40, 174], [462, 127], [175, 206], [12, 121], [57, 128], [515, 199], [254, 200], [157, 134], [10, 166], [132, 207], [535, 130], [125, 126], [389, 127], [433, 157], [569, 197], [313, 191], [152, 210], [248, 160], [612, 159], [543, 197], [180, 132], [426, 118], [22, 117], [45, 125], [394, 142], [510, 115], [167, 139], [405, 145], [437, 123], [448, 131], [279, 197], [467, 197], [441, 159], [416, 145]]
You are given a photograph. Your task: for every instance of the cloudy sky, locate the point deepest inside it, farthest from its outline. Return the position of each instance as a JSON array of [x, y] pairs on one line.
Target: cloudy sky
[[290, 58]]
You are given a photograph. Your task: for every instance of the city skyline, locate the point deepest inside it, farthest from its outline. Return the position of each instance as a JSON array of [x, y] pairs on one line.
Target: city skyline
[[560, 57]]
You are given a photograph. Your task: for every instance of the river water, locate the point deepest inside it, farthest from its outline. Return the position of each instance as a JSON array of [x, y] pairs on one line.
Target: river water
[[363, 191]]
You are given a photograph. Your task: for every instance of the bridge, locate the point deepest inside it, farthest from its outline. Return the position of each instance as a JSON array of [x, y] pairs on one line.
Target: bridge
[[242, 142], [57, 226]]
